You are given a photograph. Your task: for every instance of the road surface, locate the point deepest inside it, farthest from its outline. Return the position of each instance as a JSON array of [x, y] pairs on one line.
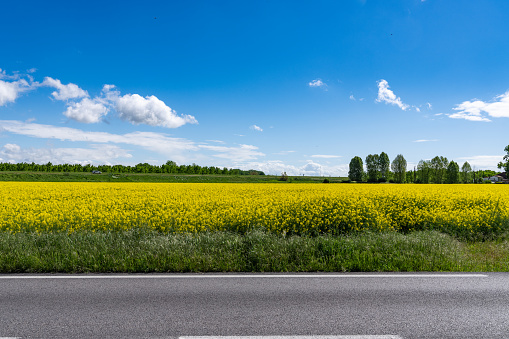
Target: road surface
[[442, 305]]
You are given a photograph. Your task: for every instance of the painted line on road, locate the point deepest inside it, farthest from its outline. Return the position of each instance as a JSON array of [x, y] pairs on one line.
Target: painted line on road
[[243, 276], [299, 337]]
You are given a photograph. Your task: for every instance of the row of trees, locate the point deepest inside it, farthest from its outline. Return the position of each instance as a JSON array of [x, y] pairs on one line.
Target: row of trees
[[168, 167], [437, 170]]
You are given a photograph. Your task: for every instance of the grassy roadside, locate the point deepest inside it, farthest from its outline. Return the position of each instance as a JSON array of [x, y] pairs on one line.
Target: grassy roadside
[[144, 251], [154, 177]]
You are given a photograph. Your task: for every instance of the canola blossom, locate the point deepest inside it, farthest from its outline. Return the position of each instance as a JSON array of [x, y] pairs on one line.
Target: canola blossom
[[305, 209]]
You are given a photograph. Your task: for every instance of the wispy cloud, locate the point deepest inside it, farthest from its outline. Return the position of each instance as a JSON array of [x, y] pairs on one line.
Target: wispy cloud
[[478, 110], [96, 154], [178, 149], [425, 140], [312, 168], [386, 95], [484, 162], [284, 152], [325, 156]]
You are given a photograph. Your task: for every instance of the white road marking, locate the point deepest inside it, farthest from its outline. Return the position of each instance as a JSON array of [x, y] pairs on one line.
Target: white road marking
[[240, 276], [281, 337]]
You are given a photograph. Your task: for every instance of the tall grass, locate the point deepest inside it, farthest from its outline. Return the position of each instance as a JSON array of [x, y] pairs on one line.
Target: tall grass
[[143, 251]]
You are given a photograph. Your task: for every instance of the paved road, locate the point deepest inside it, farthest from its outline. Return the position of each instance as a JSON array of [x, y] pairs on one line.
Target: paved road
[[401, 305]]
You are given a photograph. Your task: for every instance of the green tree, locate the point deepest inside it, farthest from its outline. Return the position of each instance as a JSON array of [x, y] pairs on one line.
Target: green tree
[[423, 171], [384, 165], [453, 171], [505, 165], [438, 168], [372, 168], [466, 173], [355, 169], [398, 166]]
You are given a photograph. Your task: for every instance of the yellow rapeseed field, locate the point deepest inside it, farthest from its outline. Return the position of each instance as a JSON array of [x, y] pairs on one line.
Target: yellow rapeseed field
[[281, 208]]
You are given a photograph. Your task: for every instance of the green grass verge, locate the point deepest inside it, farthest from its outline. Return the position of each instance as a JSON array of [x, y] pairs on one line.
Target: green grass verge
[[140, 251], [154, 177]]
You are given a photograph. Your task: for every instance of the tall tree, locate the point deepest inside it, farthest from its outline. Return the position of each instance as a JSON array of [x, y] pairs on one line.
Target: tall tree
[[505, 165], [398, 166], [355, 169], [384, 165], [372, 167], [466, 173], [439, 167], [423, 171], [453, 171]]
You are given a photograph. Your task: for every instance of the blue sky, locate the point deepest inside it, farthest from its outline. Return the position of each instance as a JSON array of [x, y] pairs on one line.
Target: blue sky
[[295, 86]]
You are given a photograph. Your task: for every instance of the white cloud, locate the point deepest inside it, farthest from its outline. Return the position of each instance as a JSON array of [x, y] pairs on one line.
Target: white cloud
[[425, 140], [311, 168], [256, 128], [10, 91], [97, 154], [325, 156], [316, 83], [388, 96], [284, 152], [86, 111], [482, 162], [177, 149], [473, 110], [150, 111], [238, 154], [64, 92]]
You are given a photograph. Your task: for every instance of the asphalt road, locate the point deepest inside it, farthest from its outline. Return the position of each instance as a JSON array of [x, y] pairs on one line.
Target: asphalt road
[[170, 306]]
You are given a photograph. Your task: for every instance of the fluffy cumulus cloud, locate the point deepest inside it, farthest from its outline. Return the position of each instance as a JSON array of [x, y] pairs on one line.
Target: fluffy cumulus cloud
[[316, 83], [480, 111], [64, 92], [256, 128], [386, 95], [86, 111], [150, 111], [11, 86], [81, 107]]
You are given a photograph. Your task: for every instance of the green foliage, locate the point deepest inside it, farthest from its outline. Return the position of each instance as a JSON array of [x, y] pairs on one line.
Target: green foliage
[[453, 171], [169, 167], [424, 171], [355, 169], [438, 167], [466, 173], [372, 167], [384, 166], [283, 177], [505, 165], [399, 166]]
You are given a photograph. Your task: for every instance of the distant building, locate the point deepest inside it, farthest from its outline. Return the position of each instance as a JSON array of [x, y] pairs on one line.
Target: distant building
[[500, 177]]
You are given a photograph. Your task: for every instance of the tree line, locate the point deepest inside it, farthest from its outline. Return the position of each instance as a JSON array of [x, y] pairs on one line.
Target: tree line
[[438, 170], [169, 167]]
